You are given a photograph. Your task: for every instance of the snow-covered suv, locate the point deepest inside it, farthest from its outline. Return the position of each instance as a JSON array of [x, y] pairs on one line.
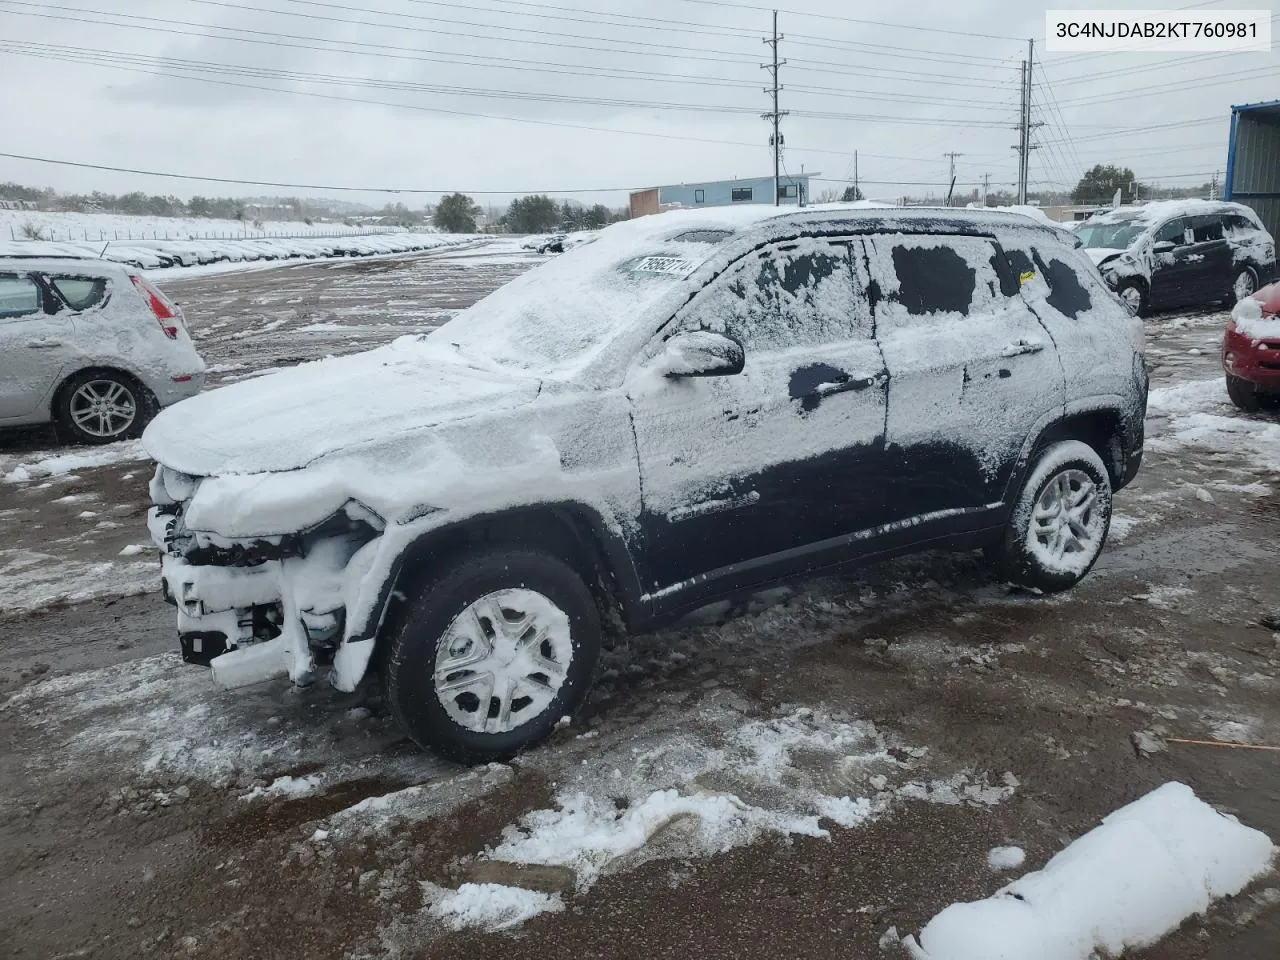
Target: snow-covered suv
[[694, 405], [1180, 253]]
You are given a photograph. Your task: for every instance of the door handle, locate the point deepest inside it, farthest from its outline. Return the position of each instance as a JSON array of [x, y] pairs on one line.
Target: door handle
[[43, 344], [1020, 347], [845, 384]]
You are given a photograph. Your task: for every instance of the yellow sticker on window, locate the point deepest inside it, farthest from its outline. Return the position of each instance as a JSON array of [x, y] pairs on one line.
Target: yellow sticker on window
[[1026, 277]]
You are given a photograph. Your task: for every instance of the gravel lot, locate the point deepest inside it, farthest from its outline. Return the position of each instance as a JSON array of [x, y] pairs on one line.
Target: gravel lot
[[144, 814]]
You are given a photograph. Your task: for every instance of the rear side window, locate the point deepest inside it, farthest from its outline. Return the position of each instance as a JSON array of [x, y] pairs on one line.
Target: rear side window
[[930, 276], [1237, 226], [19, 296], [80, 293], [1045, 272], [1206, 229]]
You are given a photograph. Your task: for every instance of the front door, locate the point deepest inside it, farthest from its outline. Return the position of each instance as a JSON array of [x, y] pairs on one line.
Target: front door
[[971, 371], [34, 346], [786, 453]]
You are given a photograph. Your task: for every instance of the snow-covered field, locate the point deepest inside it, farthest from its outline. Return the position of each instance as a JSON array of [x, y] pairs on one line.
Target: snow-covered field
[[160, 242]]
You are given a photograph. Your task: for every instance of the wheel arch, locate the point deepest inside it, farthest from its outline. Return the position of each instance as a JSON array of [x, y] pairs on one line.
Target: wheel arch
[[572, 532], [1102, 425]]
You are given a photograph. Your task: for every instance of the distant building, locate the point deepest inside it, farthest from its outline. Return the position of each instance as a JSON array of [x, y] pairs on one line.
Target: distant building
[[720, 193]]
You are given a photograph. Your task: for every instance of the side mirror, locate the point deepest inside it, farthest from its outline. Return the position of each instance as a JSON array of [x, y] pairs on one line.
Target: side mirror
[[702, 353], [1164, 246]]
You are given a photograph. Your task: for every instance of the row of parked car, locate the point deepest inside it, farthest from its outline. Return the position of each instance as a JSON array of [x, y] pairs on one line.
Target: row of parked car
[[156, 254]]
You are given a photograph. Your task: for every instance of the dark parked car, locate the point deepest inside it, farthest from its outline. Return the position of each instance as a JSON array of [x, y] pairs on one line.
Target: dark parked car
[[695, 405], [1180, 253]]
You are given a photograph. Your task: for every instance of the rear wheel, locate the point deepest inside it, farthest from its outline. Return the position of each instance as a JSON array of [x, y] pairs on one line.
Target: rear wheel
[[1059, 522], [488, 656], [1244, 284], [102, 406], [1243, 394]]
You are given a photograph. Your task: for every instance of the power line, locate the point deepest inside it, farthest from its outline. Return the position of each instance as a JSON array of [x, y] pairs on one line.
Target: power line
[[914, 27], [296, 186]]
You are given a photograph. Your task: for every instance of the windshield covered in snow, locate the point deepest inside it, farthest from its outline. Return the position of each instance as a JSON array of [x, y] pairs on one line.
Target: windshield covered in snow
[[1110, 236], [556, 318]]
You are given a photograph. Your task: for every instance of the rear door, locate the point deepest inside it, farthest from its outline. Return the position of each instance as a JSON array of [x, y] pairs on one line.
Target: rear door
[[971, 371], [35, 344], [783, 455]]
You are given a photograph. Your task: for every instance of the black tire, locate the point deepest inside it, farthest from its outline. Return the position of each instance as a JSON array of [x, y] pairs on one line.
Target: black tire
[[72, 399], [1250, 281], [408, 668], [1025, 558], [1143, 301], [1243, 394]]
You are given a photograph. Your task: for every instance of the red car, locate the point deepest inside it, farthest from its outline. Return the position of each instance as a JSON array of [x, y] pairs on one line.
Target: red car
[[1251, 349]]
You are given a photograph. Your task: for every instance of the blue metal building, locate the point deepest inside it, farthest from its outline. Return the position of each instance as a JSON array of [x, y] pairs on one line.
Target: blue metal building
[[724, 193], [1253, 161]]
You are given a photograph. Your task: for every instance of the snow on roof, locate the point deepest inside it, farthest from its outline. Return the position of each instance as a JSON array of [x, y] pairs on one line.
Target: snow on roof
[[1158, 210], [562, 316]]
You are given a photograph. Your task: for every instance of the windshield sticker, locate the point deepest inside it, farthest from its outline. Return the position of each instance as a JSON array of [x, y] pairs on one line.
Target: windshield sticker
[[673, 266]]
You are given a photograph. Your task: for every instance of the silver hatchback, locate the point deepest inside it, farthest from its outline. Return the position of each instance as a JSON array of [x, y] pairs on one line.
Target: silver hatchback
[[90, 346]]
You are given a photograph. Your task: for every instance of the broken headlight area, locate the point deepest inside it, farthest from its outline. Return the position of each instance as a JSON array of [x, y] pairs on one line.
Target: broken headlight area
[[254, 608]]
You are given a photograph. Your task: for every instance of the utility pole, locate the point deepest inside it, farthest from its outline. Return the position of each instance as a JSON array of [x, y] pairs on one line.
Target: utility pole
[[856, 192], [1025, 125], [986, 187], [775, 115], [951, 180], [1213, 186]]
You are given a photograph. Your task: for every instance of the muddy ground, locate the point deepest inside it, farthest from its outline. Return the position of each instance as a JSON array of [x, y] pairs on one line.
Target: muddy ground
[[144, 814]]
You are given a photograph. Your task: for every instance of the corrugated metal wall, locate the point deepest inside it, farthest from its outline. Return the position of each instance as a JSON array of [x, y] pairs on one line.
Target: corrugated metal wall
[[1255, 177]]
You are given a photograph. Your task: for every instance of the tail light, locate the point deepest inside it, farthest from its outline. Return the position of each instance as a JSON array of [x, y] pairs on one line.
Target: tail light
[[160, 306]]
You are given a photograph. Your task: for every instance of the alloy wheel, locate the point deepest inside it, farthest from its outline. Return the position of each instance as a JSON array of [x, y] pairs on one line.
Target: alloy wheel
[[103, 408], [1065, 527]]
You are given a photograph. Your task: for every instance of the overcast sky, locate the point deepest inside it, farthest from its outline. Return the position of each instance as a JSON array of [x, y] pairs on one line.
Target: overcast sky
[[372, 93]]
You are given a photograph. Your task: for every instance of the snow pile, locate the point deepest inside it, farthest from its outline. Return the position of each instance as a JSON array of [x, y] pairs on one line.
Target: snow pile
[[491, 906], [686, 795], [287, 787], [1200, 415], [1005, 858], [13, 470], [1125, 884]]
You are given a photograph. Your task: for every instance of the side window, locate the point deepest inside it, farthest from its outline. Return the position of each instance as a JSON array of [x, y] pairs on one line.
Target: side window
[[794, 294], [1173, 232], [921, 278], [1207, 228], [19, 296], [1045, 272], [80, 293], [1237, 227], [740, 194]]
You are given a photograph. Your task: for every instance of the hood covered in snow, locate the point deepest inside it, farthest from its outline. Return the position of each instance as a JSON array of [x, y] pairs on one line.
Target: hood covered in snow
[[285, 420]]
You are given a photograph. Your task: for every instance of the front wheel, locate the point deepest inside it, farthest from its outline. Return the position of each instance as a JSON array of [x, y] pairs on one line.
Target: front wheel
[[1243, 394], [1134, 296], [1059, 521], [488, 656]]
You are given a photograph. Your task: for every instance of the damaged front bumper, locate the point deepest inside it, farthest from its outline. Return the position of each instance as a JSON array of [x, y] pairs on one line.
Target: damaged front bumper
[[260, 608]]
